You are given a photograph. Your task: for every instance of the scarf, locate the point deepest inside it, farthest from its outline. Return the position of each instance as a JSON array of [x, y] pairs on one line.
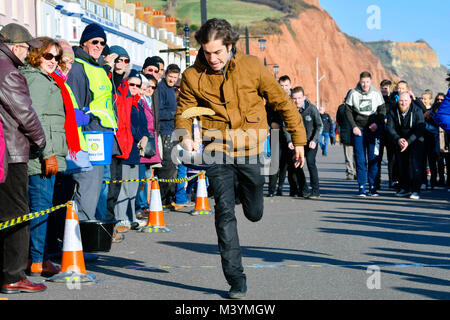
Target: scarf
[[70, 125]]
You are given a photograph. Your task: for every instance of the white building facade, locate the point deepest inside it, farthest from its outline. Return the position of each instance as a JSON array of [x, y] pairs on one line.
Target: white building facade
[[67, 19]]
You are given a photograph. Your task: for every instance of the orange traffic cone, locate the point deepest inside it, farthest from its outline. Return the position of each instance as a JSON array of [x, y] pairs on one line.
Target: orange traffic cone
[[156, 215], [72, 262], [201, 201]]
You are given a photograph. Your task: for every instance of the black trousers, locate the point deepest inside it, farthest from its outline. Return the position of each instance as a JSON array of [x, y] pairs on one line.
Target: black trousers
[[430, 158], [301, 187], [168, 171], [280, 176], [250, 181], [64, 190], [113, 188], [14, 241], [410, 166]]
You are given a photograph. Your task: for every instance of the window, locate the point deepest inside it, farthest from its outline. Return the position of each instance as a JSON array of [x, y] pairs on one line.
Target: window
[[109, 13], [58, 27], [2, 6], [48, 23], [14, 9], [91, 6], [116, 16], [100, 11], [82, 3], [26, 12]]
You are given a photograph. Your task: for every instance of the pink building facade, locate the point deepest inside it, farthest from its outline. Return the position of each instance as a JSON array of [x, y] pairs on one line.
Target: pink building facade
[[22, 12]]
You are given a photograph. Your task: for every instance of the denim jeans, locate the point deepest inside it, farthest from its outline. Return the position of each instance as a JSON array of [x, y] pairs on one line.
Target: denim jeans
[[323, 142], [141, 197], [250, 185], [365, 158], [180, 193], [100, 211], [40, 197]]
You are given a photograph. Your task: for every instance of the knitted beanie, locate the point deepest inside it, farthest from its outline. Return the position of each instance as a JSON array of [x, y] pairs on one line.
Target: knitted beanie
[[150, 61], [92, 31], [121, 52], [67, 48]]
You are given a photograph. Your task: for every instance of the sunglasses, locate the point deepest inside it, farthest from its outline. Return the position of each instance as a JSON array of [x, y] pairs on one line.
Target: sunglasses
[[126, 61], [48, 56], [96, 42], [152, 87], [134, 85]]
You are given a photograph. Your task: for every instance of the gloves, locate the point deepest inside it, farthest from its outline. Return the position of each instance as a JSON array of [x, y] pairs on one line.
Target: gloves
[[51, 166], [82, 118]]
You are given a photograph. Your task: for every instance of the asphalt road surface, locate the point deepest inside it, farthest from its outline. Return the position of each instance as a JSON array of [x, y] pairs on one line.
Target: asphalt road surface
[[339, 247]]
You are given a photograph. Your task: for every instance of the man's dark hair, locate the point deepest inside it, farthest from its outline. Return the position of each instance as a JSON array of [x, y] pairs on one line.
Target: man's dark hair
[[173, 68], [297, 90], [214, 29], [158, 59], [365, 74], [403, 81], [284, 78], [385, 82]]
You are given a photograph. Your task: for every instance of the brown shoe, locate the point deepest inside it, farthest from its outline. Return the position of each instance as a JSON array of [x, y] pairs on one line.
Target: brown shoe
[[24, 285], [121, 228], [44, 269], [177, 207]]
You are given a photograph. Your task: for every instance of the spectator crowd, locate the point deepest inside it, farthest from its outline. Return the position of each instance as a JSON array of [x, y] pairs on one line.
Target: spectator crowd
[[51, 93]]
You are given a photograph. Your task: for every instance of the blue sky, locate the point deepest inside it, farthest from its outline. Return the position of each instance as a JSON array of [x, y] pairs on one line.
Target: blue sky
[[400, 20]]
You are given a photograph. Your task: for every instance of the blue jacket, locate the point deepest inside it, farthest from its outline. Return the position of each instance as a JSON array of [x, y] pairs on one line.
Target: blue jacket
[[167, 108], [442, 117]]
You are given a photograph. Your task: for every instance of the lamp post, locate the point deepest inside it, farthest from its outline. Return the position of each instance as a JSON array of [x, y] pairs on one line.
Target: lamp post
[[187, 44], [317, 81], [276, 69], [204, 11], [247, 41], [186, 49]]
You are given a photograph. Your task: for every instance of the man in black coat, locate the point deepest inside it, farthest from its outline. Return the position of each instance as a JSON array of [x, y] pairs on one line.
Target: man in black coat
[[313, 126], [327, 131], [406, 127], [345, 138]]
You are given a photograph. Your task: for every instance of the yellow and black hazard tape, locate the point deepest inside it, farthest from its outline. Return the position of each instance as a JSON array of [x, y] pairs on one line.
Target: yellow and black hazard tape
[[30, 216], [181, 180]]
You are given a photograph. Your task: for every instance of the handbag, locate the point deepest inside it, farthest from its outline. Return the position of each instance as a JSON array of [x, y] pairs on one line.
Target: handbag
[[150, 148]]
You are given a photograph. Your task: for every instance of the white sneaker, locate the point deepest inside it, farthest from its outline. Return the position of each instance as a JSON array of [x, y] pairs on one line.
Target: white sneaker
[[414, 196], [142, 222]]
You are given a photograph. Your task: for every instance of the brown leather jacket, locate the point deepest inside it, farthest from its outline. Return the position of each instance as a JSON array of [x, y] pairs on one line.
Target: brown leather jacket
[[21, 124], [237, 95]]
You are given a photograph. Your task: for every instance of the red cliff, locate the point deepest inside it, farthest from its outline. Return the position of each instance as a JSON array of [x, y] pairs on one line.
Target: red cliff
[[314, 34]]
